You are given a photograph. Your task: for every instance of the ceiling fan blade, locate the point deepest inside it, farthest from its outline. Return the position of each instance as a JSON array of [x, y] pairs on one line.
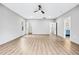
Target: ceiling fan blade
[[36, 11], [39, 7], [43, 12]]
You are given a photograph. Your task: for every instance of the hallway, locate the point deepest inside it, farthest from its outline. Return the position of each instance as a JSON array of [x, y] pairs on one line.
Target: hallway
[[39, 29], [39, 44]]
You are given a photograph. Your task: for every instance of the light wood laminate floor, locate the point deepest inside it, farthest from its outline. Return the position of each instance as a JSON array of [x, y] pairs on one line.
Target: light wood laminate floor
[[39, 45]]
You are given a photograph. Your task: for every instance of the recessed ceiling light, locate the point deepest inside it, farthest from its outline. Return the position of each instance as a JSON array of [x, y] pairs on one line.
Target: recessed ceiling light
[[49, 16], [31, 16]]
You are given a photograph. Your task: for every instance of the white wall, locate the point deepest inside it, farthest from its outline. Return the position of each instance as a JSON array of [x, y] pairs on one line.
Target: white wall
[[60, 29], [74, 13], [10, 25], [39, 26]]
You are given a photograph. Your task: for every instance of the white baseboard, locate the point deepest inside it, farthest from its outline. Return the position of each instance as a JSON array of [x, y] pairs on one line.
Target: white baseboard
[[75, 42]]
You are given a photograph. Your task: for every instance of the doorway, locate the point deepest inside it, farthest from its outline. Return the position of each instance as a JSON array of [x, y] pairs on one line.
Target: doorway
[[29, 28], [67, 27], [53, 28]]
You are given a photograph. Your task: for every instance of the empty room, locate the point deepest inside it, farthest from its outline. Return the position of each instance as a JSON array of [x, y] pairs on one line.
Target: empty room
[[39, 29]]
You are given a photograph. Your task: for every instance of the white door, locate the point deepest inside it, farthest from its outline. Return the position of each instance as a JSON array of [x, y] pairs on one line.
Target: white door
[[53, 28]]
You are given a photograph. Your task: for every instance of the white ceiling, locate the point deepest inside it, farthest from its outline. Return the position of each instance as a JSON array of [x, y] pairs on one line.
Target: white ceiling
[[52, 10]]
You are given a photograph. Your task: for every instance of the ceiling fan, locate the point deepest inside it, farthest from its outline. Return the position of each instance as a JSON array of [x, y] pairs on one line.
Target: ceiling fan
[[39, 9]]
